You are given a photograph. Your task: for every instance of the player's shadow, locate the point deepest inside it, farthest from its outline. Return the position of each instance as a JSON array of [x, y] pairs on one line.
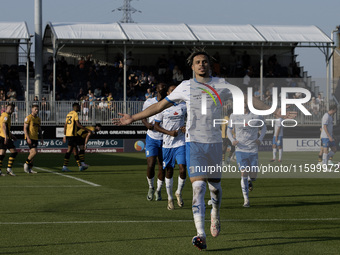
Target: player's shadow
[[300, 195], [286, 241], [299, 203]]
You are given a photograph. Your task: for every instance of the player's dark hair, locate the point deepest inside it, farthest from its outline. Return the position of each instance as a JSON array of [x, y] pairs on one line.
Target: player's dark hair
[[35, 105], [98, 125], [198, 51], [333, 107], [75, 104], [10, 104], [172, 85]]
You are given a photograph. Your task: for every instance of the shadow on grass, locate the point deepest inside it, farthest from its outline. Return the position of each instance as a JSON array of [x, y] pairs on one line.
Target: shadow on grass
[[286, 241]]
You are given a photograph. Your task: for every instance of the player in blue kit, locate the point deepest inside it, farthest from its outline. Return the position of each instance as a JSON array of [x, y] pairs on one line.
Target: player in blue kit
[[171, 123]]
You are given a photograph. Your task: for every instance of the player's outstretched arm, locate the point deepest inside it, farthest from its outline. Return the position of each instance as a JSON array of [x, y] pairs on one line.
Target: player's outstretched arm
[[127, 119]]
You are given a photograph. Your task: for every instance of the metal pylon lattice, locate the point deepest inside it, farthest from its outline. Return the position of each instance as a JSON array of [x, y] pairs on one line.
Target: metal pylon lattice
[[127, 10]]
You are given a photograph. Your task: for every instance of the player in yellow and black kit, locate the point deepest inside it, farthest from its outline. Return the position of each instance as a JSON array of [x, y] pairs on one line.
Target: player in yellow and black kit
[[83, 138], [32, 130], [70, 134], [6, 139]]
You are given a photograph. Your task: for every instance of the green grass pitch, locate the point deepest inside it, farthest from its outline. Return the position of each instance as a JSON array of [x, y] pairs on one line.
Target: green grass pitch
[[104, 210]]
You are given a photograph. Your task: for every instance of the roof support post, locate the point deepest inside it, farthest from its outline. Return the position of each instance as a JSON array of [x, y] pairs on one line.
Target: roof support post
[[327, 77], [261, 73], [38, 48], [28, 75], [125, 70]]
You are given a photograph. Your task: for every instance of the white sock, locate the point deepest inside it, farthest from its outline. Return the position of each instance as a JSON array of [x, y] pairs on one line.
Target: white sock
[[180, 185], [330, 154], [280, 154], [245, 187], [159, 184], [168, 185], [150, 182], [198, 205], [216, 197], [274, 153], [324, 158]]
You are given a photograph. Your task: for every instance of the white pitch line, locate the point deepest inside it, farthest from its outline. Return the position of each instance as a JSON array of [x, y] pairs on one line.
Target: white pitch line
[[163, 221], [46, 186], [69, 176]]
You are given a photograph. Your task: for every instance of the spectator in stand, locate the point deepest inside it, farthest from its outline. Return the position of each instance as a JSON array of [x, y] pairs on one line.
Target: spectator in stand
[[81, 63], [102, 106], [232, 61], [119, 88], [2, 94], [85, 107], [81, 94], [143, 79], [257, 92], [88, 61], [148, 94], [162, 65], [105, 89], [174, 74], [131, 93], [11, 94], [177, 76], [36, 100], [89, 86], [45, 109], [3, 108], [319, 100], [98, 93], [110, 104], [129, 60], [110, 97], [246, 79], [268, 97], [92, 75], [151, 78], [314, 108], [92, 100], [62, 63]]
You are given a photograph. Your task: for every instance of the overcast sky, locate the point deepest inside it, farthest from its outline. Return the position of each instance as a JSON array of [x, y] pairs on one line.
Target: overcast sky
[[324, 14]]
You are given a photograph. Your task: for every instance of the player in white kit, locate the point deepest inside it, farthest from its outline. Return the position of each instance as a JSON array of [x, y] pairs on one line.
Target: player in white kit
[[171, 123], [246, 128], [203, 139], [327, 138], [153, 147], [277, 139]]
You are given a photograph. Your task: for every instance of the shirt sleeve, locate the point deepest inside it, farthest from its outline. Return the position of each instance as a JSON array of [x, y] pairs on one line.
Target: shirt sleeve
[[76, 117], [145, 105], [27, 120], [159, 117], [180, 94]]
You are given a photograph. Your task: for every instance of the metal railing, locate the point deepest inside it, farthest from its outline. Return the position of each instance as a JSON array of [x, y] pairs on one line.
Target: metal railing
[[90, 112], [104, 112]]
